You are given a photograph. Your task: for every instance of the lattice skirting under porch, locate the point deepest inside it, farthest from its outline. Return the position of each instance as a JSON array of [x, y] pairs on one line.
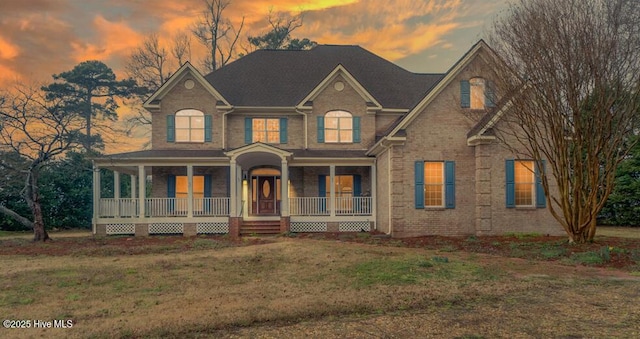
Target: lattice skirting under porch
[[308, 226], [114, 229], [212, 227], [354, 226], [166, 228]]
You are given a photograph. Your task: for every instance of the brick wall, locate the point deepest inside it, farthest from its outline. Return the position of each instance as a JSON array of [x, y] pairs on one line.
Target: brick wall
[[438, 133], [382, 192], [347, 100], [182, 98]]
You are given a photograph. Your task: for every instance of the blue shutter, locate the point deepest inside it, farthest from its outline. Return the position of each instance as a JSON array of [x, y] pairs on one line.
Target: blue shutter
[[171, 186], [171, 128], [356, 129], [207, 186], [510, 184], [419, 181], [450, 184], [283, 130], [322, 191], [541, 199], [207, 203], [465, 94], [489, 95], [357, 185], [248, 130], [171, 191], [322, 186], [357, 192], [321, 129], [208, 128]]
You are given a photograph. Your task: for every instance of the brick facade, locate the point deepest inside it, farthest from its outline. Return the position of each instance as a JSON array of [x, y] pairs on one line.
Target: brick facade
[[438, 132]]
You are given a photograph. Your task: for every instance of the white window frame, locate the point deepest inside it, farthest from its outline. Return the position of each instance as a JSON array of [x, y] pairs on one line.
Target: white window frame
[[529, 166], [442, 184], [338, 116], [190, 116], [266, 132]]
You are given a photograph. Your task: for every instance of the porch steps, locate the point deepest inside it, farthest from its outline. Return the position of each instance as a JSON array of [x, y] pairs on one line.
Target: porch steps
[[260, 227]]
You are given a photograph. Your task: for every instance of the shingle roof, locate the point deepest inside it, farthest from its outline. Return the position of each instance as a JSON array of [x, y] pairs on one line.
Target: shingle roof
[[283, 78]]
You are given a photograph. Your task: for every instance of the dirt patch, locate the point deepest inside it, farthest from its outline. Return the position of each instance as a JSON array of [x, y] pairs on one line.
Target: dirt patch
[[605, 252], [116, 245]]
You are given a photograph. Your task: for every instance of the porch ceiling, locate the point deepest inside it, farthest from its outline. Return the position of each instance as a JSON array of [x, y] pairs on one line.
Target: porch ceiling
[[255, 159]]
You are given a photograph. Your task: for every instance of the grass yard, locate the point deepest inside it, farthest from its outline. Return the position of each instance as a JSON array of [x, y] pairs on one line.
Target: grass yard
[[354, 285]]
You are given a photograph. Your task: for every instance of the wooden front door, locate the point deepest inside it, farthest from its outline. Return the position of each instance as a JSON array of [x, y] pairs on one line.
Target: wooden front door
[[267, 203]]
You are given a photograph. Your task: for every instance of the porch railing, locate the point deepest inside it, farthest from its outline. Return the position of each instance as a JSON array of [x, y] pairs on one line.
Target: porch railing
[[308, 206], [163, 207], [123, 207], [320, 206], [353, 205], [210, 206]]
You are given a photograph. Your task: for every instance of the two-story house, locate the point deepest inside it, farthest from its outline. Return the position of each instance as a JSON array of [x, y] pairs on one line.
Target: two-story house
[[330, 139]]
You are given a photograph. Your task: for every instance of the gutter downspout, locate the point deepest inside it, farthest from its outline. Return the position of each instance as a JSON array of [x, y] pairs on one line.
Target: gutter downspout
[[306, 128], [389, 150]]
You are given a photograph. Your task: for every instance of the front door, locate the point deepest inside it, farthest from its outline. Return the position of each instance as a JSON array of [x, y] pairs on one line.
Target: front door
[[266, 195]]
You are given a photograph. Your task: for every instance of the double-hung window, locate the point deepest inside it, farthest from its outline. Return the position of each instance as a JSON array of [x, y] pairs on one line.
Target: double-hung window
[[189, 125], [435, 184], [266, 130], [523, 184], [338, 127]]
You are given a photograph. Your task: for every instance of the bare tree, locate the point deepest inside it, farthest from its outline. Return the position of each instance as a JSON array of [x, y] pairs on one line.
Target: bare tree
[[150, 65], [574, 100], [35, 129], [181, 49], [218, 34], [280, 32]]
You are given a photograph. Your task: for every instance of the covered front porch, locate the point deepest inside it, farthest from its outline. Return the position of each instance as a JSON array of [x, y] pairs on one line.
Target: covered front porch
[[222, 194]]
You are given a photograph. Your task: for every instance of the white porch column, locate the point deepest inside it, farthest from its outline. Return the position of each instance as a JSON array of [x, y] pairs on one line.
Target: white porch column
[[116, 191], [332, 194], [233, 203], [284, 190], [374, 183], [96, 196], [116, 185], [189, 191], [142, 182], [133, 186]]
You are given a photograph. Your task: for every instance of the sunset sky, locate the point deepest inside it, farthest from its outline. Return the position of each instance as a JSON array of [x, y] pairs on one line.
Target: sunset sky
[[39, 38]]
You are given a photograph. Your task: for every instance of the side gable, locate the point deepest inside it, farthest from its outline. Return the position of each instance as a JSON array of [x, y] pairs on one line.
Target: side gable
[[153, 102], [372, 103], [394, 134]]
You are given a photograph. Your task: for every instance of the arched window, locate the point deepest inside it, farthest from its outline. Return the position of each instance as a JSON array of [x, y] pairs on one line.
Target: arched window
[[189, 126], [338, 127]]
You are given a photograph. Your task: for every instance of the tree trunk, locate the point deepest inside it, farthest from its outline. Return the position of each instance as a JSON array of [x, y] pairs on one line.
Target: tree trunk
[[39, 232], [33, 199], [17, 217]]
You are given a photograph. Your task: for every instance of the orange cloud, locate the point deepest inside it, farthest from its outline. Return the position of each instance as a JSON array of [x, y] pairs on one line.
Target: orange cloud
[[8, 50], [393, 30], [114, 39]]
